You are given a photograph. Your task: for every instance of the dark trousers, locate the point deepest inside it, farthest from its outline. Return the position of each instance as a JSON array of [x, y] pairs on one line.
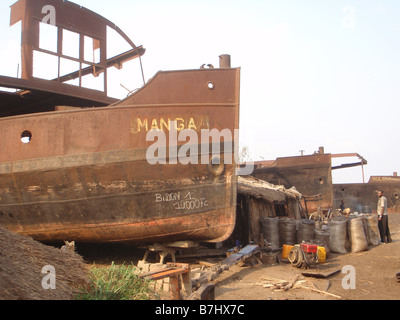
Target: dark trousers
[[383, 225]]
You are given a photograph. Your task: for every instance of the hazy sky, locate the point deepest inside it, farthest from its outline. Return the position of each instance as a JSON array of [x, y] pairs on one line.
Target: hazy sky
[[313, 73]]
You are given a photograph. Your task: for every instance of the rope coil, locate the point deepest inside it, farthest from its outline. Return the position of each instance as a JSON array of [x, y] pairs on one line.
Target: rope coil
[[287, 231], [306, 230], [270, 231]]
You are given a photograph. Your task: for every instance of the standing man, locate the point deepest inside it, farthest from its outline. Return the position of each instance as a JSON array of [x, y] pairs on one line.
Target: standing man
[[342, 207], [383, 221]]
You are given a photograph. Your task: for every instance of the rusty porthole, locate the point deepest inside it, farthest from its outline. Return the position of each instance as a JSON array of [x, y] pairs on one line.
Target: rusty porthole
[[210, 85], [26, 137]]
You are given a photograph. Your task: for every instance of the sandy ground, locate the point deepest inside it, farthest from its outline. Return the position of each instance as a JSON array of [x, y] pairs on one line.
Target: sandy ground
[[375, 279], [375, 271]]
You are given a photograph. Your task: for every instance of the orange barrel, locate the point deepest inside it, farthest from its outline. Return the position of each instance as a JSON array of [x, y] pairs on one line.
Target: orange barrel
[[285, 251], [321, 254]]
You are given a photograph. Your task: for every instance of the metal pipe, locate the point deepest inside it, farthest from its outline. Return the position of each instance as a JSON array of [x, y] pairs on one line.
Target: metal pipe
[[225, 61], [362, 168]]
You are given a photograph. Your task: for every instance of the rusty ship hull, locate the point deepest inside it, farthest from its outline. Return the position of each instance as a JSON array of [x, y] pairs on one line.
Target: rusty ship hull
[[84, 175]]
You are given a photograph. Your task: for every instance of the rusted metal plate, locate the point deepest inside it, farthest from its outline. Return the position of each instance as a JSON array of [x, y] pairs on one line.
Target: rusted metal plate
[[38, 95], [64, 15], [310, 174], [84, 174], [243, 254], [35, 95]]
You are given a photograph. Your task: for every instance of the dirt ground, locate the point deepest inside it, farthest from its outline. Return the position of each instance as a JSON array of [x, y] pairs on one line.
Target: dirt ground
[[375, 271], [375, 279]]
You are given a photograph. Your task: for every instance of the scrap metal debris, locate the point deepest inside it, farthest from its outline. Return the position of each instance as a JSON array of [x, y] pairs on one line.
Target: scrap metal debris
[[245, 253]]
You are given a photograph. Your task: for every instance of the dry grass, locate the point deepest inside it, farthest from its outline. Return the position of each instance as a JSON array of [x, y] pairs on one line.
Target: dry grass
[[115, 282], [21, 262]]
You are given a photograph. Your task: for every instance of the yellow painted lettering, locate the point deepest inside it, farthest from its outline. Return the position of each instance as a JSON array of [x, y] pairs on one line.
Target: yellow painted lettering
[[180, 126], [192, 124], [164, 123], [138, 124], [154, 124]]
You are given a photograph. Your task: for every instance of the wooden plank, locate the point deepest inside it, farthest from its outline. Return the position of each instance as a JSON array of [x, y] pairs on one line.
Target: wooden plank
[[205, 292], [243, 254], [182, 244], [155, 272], [207, 264], [202, 253], [207, 277], [283, 285], [174, 289], [164, 274], [320, 291]]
